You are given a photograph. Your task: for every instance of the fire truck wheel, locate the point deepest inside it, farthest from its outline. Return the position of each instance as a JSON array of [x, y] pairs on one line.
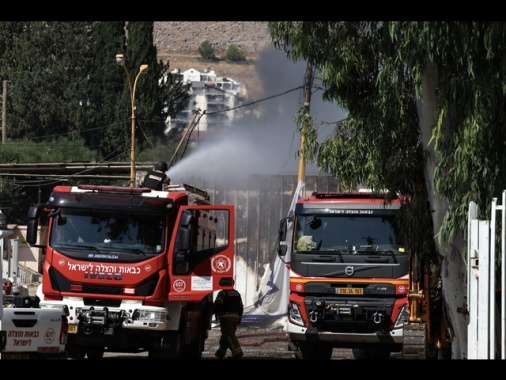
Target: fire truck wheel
[[169, 348], [192, 351], [313, 350], [95, 353], [370, 353], [75, 351]]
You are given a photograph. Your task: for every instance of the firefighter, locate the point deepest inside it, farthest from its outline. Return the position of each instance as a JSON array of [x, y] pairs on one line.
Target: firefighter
[[156, 177], [228, 308]]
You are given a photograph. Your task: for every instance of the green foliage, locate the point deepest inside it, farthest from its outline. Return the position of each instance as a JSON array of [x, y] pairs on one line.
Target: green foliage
[[63, 81], [304, 125], [234, 54], [58, 150], [107, 84], [148, 95], [175, 93], [376, 71], [378, 145], [161, 150], [15, 202], [206, 51], [47, 79]]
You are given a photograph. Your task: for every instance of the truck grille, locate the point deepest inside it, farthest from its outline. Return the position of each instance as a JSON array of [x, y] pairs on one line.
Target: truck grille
[[94, 289], [101, 302], [348, 314]]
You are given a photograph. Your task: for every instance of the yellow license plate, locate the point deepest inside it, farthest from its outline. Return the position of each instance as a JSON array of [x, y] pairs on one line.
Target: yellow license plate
[[15, 356], [350, 291], [73, 329]]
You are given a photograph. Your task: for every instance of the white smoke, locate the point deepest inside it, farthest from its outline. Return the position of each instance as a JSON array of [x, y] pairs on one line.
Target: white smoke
[[267, 144]]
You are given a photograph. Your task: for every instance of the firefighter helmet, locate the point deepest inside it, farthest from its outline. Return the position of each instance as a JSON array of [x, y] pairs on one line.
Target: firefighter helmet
[[161, 165]]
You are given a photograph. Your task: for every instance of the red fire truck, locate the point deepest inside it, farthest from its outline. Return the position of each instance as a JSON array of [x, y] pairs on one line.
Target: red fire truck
[[349, 279], [135, 268]]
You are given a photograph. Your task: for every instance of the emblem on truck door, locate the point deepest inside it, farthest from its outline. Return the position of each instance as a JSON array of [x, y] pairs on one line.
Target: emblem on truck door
[[220, 264]]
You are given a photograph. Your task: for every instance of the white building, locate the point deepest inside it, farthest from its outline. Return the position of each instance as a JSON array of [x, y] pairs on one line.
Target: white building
[[217, 96]]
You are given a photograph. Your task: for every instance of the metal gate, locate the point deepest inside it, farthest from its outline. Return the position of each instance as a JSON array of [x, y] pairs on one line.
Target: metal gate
[[486, 279]]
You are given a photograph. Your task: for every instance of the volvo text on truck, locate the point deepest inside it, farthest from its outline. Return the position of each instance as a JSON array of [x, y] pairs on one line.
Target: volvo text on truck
[[136, 268]]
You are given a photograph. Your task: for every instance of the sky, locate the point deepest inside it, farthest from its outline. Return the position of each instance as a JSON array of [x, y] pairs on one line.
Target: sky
[[268, 145]]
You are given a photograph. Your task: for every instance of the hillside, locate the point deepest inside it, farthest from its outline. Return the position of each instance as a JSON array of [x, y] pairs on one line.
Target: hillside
[[178, 41]]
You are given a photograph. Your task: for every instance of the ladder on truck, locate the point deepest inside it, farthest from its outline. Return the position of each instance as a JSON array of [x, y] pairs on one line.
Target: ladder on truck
[[483, 287]]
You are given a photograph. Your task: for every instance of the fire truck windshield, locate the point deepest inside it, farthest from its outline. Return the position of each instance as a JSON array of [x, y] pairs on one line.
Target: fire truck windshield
[[347, 234], [101, 231]]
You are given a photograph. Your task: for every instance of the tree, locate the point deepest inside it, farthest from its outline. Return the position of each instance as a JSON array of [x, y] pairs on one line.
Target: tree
[[234, 54], [63, 81], [207, 51], [9, 32], [106, 84], [159, 93], [47, 78], [426, 111]]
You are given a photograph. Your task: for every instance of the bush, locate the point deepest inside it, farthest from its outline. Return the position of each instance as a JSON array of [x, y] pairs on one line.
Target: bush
[[206, 51], [234, 54]]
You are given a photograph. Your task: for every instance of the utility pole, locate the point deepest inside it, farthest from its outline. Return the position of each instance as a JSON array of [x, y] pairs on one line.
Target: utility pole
[[4, 112], [307, 101], [187, 132]]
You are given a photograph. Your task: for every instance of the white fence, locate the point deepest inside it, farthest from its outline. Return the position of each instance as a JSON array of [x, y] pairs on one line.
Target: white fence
[[486, 281]]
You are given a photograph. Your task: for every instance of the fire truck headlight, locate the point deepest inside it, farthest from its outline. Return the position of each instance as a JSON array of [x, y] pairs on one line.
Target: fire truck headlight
[[295, 315], [150, 315]]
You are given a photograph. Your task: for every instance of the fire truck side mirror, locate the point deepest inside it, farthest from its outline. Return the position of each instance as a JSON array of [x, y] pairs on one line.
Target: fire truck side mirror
[[183, 243], [33, 224], [282, 250], [283, 226], [186, 218], [282, 247]]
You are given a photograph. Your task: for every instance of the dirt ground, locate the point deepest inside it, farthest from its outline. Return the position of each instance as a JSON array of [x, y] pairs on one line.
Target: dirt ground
[[262, 343]]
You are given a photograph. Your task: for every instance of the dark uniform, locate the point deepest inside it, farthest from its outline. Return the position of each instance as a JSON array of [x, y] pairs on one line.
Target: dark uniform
[[156, 178], [228, 308]]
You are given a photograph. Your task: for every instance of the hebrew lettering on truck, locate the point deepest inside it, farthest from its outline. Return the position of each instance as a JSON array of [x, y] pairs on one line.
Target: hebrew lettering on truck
[[26, 330]]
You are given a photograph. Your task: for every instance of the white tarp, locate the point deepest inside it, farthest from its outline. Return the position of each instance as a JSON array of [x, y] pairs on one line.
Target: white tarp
[[270, 309]]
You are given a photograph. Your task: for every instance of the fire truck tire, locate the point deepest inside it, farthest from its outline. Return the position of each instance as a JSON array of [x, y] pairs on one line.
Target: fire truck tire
[[95, 353], [192, 351], [162, 353], [370, 353], [170, 349], [195, 349], [75, 351], [313, 350]]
